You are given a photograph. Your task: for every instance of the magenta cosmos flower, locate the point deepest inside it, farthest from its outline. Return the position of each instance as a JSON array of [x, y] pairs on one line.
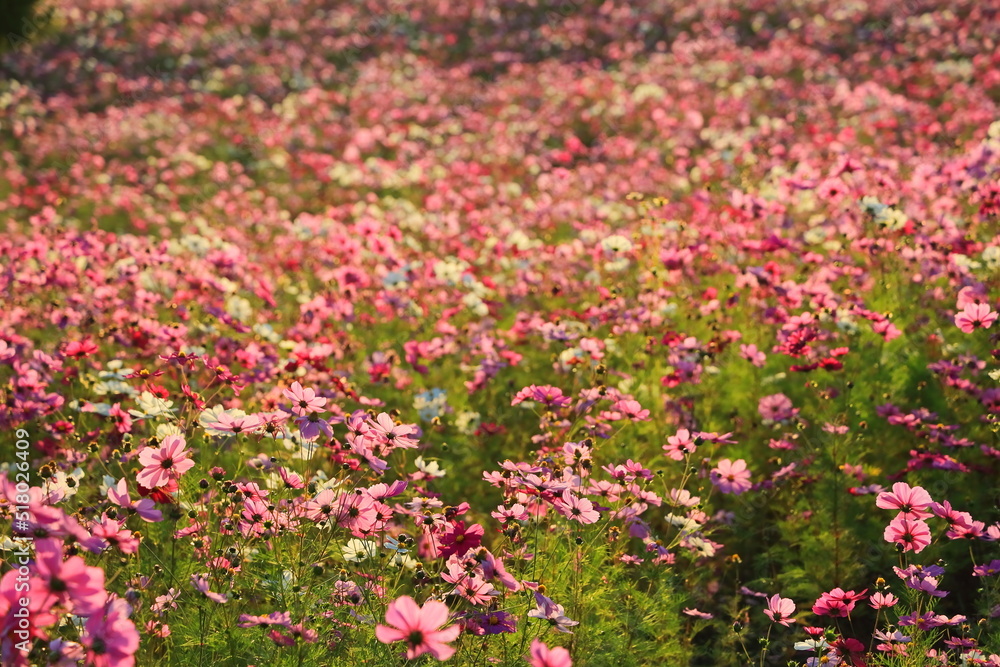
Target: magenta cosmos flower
[[731, 477], [912, 503], [419, 627], [543, 656], [780, 610], [913, 534], [975, 316]]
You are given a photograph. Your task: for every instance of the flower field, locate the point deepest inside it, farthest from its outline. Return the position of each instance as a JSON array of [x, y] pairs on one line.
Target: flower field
[[496, 332]]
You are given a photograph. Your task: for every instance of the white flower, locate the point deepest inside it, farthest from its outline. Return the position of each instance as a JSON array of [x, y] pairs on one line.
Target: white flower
[[59, 487], [356, 551], [404, 561], [467, 422], [239, 308], [151, 406], [429, 468], [616, 244], [163, 430], [991, 257]]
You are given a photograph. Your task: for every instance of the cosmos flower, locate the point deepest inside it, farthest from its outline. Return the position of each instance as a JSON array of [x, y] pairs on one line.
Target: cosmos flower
[[419, 627], [164, 463]]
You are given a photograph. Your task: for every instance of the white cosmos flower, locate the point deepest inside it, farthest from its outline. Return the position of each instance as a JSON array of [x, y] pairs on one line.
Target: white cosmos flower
[[429, 468], [356, 551], [151, 406]]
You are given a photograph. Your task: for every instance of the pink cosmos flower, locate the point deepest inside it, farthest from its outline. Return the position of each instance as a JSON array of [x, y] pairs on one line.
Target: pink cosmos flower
[[546, 394], [731, 477], [110, 637], [200, 582], [547, 610], [12, 629], [883, 600], [912, 503], [311, 426], [64, 653], [776, 408], [543, 656], [913, 534], [164, 463], [753, 355], [235, 425], [144, 507], [576, 508], [396, 435], [780, 610], [458, 539], [71, 581], [419, 627], [975, 316], [837, 603], [631, 409], [679, 445], [304, 401]]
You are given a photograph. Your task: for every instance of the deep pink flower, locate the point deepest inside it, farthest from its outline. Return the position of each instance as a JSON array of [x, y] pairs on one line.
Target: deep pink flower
[[458, 539], [164, 463], [543, 656], [419, 627]]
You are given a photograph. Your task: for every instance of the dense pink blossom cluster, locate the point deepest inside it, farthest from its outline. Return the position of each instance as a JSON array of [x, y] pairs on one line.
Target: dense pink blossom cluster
[[340, 325]]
